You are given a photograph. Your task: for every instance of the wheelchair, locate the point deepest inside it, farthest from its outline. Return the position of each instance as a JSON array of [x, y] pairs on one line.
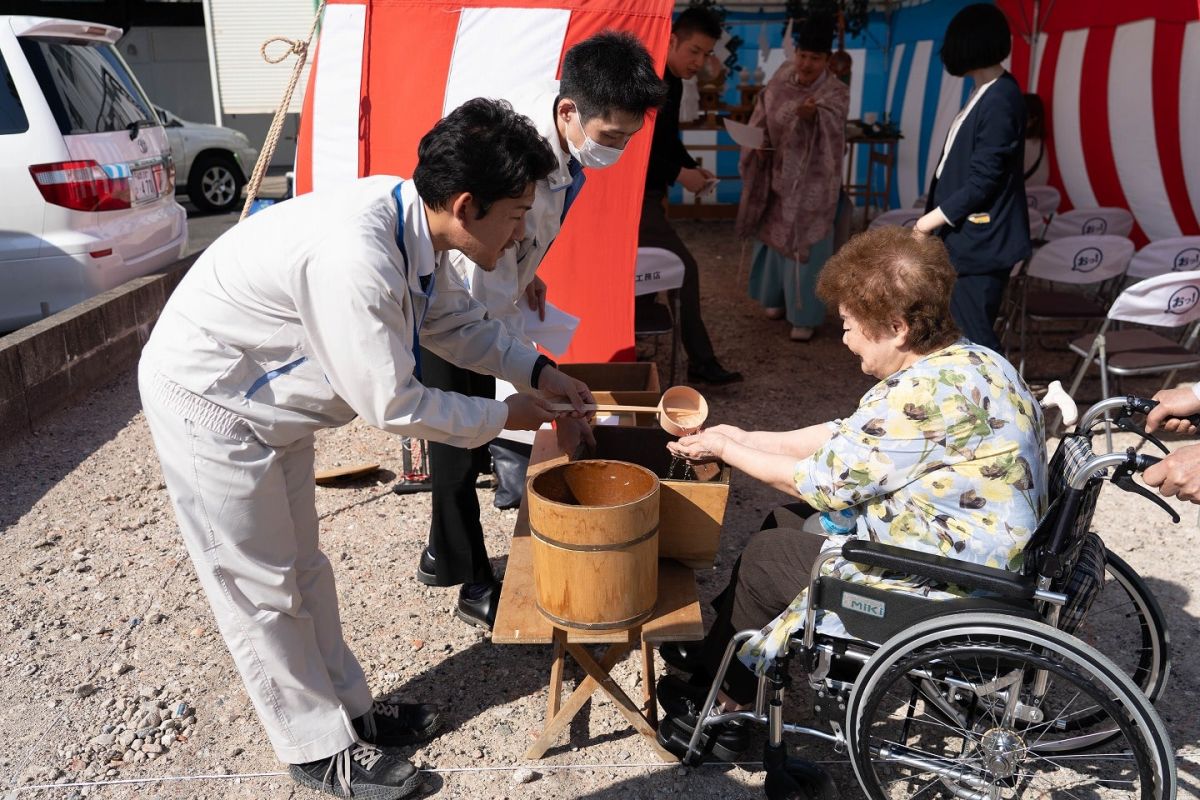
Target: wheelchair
[[1003, 693]]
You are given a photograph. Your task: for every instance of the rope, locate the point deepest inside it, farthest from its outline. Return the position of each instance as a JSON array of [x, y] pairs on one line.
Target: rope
[[541, 768], [544, 769], [300, 50]]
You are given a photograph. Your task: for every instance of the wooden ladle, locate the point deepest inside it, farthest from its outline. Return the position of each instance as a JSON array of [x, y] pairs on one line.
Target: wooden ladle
[[681, 410]]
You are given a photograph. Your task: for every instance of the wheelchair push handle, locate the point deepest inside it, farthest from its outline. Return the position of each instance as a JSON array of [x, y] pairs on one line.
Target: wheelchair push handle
[[1122, 410], [1144, 406], [1123, 479]]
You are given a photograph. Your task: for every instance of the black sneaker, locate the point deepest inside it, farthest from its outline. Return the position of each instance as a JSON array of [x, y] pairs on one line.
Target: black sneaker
[[361, 771], [390, 724]]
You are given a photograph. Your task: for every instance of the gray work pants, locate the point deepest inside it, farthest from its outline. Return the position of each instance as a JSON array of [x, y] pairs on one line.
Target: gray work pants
[[247, 513]]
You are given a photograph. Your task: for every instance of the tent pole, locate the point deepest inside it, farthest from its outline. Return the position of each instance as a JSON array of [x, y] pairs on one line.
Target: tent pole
[[1033, 45]]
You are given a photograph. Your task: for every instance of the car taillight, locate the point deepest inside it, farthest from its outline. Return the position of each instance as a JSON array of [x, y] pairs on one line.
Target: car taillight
[[80, 186]]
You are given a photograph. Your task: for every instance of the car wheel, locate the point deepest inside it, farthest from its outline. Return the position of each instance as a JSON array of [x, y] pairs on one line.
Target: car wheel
[[215, 183]]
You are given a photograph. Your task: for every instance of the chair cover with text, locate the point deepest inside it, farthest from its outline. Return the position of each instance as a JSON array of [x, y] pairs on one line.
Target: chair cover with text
[[1046, 199], [1170, 301], [1109, 220], [1177, 254], [1087, 265], [659, 270]]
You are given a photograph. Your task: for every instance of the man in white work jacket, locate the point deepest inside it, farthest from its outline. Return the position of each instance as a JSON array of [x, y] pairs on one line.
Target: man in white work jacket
[[301, 318], [608, 83]]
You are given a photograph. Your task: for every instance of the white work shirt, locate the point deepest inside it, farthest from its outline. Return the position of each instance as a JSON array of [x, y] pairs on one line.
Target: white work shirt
[[501, 289], [302, 316]]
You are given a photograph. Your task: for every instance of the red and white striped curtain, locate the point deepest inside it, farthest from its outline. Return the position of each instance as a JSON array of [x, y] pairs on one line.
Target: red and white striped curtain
[[386, 70], [1121, 84]]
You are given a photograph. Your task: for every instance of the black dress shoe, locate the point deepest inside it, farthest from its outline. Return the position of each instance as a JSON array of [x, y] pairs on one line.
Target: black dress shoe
[[390, 724], [712, 372], [479, 611], [427, 568], [681, 703], [683, 656]]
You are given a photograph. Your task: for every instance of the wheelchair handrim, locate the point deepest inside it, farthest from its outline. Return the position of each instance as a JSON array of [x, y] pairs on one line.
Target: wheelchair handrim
[[1025, 631]]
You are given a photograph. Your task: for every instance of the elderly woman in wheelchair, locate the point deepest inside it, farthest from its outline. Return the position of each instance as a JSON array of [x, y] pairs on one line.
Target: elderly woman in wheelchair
[[901, 577]]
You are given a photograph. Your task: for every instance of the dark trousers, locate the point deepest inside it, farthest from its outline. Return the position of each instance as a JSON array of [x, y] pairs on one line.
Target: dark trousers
[[455, 533], [773, 569], [975, 303], [656, 231]]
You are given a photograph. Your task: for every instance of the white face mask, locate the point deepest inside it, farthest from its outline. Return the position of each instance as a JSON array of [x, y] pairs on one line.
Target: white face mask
[[592, 154]]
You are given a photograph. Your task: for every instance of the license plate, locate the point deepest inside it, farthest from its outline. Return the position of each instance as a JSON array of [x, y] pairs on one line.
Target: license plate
[[142, 185]]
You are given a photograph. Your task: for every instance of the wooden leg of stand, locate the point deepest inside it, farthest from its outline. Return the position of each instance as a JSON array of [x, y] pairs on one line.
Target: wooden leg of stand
[[649, 693], [556, 673], [578, 698], [626, 706]]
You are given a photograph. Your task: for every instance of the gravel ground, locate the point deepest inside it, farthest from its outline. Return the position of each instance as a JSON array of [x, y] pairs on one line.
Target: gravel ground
[[106, 641]]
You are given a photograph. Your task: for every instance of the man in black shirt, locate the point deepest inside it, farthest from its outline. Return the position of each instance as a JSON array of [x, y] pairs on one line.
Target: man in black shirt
[[693, 37]]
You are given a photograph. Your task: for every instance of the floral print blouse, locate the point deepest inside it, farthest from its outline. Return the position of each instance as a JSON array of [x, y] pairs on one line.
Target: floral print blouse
[[947, 456]]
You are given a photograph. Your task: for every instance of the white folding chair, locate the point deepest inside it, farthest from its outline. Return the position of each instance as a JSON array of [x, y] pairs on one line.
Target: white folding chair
[[903, 217], [1107, 220], [659, 270], [1169, 301], [1079, 261], [1177, 254], [1046, 199]]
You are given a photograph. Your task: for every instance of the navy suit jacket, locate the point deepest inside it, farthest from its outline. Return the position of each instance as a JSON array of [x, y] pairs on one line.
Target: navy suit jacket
[[982, 187]]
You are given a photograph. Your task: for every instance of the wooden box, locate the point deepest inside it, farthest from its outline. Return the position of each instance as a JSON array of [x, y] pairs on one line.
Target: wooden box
[[690, 512], [625, 383]]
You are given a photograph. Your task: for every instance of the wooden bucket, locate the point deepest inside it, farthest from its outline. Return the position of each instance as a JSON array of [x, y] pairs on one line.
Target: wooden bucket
[[594, 526]]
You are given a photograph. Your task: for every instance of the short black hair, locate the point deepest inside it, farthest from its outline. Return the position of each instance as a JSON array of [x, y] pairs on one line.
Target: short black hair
[[815, 34], [978, 36], [610, 72], [697, 19], [482, 147]]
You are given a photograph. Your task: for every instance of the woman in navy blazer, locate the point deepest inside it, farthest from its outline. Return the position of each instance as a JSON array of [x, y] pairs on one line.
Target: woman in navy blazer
[[976, 200]]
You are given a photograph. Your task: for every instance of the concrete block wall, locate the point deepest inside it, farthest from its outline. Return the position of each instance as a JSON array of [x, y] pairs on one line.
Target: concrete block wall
[[55, 362]]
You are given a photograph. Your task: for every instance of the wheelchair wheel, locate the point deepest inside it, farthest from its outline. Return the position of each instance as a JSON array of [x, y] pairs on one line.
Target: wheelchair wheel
[[972, 706], [1126, 624]]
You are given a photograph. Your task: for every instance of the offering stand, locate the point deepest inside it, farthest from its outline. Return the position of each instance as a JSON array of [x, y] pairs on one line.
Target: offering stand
[[676, 617]]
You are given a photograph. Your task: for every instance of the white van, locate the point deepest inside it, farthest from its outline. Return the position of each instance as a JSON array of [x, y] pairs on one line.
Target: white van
[[88, 198]]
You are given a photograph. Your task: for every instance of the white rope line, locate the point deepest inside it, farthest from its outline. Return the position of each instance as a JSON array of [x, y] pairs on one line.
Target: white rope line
[[429, 771], [434, 771]]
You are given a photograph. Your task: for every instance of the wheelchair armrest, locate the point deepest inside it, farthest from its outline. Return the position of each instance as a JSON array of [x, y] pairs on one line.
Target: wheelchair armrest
[[938, 568]]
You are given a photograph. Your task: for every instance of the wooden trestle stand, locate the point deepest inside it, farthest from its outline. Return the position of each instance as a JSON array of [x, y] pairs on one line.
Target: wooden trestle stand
[[676, 617]]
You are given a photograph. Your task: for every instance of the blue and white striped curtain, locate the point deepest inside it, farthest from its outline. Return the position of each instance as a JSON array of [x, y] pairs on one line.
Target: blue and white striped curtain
[[906, 85]]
